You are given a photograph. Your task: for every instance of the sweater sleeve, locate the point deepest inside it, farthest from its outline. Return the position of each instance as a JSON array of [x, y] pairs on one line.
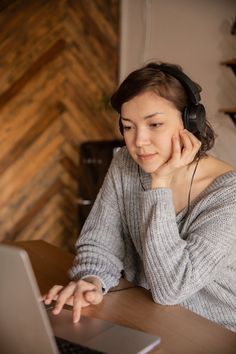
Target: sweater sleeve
[[100, 246], [176, 267]]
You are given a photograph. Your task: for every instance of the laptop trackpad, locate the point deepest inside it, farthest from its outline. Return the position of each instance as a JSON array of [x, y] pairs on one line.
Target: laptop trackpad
[[87, 328], [119, 339], [102, 335]]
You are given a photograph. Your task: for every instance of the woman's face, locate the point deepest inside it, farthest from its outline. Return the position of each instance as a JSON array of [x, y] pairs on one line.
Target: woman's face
[[149, 122]]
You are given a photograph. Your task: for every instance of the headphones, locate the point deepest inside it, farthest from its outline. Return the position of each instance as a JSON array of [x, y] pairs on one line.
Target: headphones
[[194, 114]]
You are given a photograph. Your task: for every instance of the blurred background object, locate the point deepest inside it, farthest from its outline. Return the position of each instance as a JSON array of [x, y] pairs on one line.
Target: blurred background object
[[58, 68], [95, 159]]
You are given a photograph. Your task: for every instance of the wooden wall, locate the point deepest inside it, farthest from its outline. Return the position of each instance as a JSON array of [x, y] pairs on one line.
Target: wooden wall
[[58, 66]]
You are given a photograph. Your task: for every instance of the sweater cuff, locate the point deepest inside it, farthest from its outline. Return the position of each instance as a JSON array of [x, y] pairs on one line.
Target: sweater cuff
[[162, 199], [107, 283]]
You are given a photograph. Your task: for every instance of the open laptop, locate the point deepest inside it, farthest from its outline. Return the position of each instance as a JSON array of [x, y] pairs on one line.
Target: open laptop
[[27, 328]]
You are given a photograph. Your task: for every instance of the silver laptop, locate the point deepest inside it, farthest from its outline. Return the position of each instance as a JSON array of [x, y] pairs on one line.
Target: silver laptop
[[27, 328]]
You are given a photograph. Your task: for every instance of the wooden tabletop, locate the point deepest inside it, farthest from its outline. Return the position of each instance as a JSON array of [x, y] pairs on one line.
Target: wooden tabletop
[[181, 331]]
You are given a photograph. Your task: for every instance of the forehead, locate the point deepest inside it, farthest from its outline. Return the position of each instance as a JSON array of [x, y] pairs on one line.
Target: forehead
[[145, 104]]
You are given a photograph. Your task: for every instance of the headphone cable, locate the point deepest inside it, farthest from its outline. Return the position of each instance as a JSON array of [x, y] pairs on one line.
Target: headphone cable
[[190, 187], [191, 183]]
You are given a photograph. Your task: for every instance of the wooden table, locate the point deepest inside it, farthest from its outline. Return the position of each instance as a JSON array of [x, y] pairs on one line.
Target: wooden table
[[181, 331]]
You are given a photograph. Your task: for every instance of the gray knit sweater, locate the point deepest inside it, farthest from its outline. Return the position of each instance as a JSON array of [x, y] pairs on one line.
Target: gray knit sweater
[[183, 259]]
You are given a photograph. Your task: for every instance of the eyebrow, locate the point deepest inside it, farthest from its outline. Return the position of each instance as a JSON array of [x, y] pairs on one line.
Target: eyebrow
[[146, 117]]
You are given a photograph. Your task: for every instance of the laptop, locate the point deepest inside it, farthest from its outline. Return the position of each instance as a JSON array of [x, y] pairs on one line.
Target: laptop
[[26, 327]]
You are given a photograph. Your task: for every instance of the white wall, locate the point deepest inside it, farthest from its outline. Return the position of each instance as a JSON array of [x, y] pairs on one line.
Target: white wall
[[196, 35]]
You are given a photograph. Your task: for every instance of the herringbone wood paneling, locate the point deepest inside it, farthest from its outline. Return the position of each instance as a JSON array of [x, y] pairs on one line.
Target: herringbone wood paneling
[[58, 66]]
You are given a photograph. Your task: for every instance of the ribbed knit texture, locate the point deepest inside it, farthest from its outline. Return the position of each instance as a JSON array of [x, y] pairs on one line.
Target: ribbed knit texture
[[185, 259]]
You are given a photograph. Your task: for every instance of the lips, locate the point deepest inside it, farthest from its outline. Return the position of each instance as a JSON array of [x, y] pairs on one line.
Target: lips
[[145, 157]]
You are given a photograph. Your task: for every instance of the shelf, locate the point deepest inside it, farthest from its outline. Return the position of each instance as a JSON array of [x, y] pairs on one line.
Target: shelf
[[231, 113], [230, 63]]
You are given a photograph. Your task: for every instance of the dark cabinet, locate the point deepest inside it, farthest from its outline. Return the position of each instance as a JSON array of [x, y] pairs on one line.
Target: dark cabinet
[[95, 159]]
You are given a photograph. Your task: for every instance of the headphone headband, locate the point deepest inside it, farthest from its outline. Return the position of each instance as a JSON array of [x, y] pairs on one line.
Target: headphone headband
[[191, 88]]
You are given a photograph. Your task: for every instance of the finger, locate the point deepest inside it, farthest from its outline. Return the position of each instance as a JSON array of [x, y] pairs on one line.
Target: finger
[[70, 301], [93, 297], [195, 141], [187, 145], [77, 305], [80, 300], [176, 147], [191, 145], [62, 298], [53, 292]]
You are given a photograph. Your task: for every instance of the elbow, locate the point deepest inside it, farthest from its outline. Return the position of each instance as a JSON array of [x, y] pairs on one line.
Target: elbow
[[167, 298], [165, 301], [173, 291]]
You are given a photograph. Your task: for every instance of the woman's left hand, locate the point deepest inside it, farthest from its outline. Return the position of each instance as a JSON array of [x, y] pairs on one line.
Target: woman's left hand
[[184, 149]]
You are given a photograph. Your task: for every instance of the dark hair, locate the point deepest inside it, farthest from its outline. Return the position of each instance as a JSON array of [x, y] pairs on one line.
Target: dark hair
[[152, 78]]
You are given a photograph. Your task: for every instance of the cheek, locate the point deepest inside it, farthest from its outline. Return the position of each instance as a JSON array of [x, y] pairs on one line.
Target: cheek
[[127, 140], [129, 143], [164, 144]]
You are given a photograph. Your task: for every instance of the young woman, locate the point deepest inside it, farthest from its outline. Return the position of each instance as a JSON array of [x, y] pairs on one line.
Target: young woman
[[166, 213]]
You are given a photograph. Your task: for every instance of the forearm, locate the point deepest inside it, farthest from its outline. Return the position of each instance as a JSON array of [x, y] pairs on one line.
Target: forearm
[[100, 247], [97, 267], [176, 268]]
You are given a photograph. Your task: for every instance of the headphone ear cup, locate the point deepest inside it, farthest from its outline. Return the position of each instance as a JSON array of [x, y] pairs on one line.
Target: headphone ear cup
[[194, 118], [201, 118], [186, 118]]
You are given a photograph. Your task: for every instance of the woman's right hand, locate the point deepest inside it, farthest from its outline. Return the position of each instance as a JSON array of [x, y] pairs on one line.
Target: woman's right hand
[[78, 294]]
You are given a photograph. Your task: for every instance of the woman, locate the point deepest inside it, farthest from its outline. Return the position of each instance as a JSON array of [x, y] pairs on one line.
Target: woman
[[166, 213]]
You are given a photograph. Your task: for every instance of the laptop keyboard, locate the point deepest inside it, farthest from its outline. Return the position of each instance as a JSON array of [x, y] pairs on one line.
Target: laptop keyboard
[[66, 347]]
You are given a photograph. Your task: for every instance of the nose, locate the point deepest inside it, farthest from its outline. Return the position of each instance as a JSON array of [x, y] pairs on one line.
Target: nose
[[141, 137]]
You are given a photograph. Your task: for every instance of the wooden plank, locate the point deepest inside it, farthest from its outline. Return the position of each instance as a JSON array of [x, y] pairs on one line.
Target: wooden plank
[[25, 198], [29, 138], [48, 56], [58, 65], [35, 209], [45, 148]]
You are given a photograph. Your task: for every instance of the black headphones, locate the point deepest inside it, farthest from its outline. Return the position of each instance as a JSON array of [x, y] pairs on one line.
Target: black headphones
[[194, 114]]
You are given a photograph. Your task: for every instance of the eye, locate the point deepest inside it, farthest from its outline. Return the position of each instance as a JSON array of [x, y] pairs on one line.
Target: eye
[[155, 125], [127, 127]]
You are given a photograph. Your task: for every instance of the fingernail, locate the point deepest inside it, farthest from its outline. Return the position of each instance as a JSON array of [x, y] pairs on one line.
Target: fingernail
[[55, 311]]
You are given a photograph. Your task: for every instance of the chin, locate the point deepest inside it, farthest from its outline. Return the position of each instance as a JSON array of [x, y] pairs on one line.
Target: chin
[[150, 168]]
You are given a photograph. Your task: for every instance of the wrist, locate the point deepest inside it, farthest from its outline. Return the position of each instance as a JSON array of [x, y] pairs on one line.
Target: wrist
[[93, 280], [160, 182]]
